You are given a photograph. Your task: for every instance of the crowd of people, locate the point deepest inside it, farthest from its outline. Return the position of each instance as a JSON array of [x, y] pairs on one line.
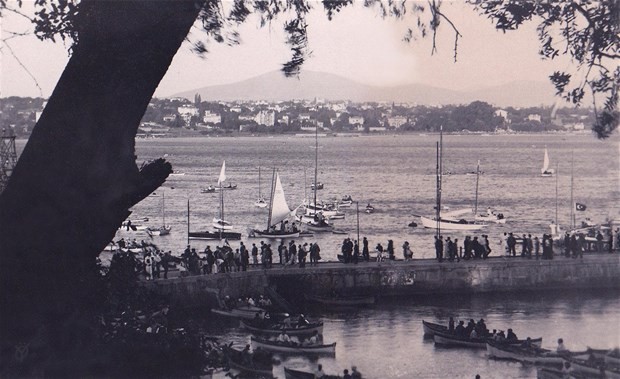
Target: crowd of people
[[225, 259]]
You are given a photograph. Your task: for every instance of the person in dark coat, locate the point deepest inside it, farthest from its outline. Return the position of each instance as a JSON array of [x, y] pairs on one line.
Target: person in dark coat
[[439, 248], [511, 241], [365, 251]]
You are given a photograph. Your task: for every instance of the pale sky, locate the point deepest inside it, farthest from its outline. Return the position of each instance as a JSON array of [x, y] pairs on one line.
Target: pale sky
[[356, 44]]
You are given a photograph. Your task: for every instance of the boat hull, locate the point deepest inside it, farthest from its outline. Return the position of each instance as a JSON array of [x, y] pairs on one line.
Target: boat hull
[[247, 313], [255, 233], [430, 328], [495, 350], [234, 360], [296, 374], [214, 235], [290, 349], [302, 331], [432, 224], [446, 339]]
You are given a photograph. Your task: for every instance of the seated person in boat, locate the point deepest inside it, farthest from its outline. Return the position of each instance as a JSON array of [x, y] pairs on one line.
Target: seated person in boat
[[500, 336], [527, 343], [511, 336], [314, 340], [460, 329], [283, 337], [481, 328], [473, 334], [451, 325], [288, 323], [561, 348], [246, 356]]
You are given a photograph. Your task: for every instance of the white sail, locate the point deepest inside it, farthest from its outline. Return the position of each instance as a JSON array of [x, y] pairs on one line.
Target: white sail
[[279, 208], [545, 162], [222, 174]]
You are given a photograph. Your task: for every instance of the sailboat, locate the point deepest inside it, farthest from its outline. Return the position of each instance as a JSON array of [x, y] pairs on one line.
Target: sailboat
[[164, 229], [545, 171], [222, 227], [260, 203], [278, 212], [314, 219], [490, 215], [446, 221]]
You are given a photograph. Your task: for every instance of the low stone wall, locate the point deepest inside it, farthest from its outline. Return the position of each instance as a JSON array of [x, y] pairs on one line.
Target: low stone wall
[[419, 277]]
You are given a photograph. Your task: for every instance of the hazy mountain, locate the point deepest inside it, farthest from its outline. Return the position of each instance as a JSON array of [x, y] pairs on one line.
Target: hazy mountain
[[273, 86]]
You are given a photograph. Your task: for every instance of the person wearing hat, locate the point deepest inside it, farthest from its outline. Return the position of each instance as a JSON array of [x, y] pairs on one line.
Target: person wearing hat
[[355, 374]]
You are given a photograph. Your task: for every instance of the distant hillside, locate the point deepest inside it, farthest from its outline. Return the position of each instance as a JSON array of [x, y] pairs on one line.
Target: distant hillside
[[273, 86]]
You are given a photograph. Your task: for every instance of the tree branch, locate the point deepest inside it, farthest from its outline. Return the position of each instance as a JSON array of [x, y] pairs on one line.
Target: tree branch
[[36, 83]]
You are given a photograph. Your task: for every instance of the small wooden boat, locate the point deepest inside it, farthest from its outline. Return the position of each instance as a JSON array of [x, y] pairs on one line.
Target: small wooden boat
[[276, 329], [549, 373], [526, 355], [592, 366], [283, 347], [319, 186], [289, 373], [343, 301], [247, 312], [369, 209], [258, 369], [214, 235], [446, 339], [430, 328]]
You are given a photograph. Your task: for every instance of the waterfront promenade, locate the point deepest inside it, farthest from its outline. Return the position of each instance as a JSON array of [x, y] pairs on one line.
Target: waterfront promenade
[[420, 277]]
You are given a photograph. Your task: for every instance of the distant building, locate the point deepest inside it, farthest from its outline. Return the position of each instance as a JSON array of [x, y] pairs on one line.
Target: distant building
[[534, 117], [212, 118], [397, 121], [187, 112], [356, 120], [267, 118], [304, 117], [169, 117], [503, 114]]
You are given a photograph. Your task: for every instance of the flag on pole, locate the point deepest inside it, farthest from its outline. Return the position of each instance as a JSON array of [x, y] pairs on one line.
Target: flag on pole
[[222, 174], [580, 207]]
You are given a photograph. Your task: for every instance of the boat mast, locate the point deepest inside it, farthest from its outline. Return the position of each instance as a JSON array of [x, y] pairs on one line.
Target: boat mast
[[273, 188], [572, 204], [259, 190], [557, 173], [477, 180], [439, 177], [188, 220], [163, 207], [316, 163], [357, 213]]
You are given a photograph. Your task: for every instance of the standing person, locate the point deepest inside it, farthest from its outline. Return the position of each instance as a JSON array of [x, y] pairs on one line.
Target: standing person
[[281, 252], [617, 240], [439, 248], [245, 258], [530, 246], [379, 249], [355, 374], [523, 245], [254, 254], [446, 246], [356, 252], [237, 260], [148, 266], [407, 251], [390, 250], [567, 245], [599, 242], [511, 241], [611, 242], [365, 251], [449, 249], [536, 247], [292, 251], [502, 243], [487, 247], [301, 255], [456, 249]]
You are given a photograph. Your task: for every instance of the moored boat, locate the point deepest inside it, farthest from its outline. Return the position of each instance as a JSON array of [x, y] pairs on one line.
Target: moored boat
[[430, 328], [214, 235], [343, 301], [527, 355], [291, 348], [248, 312], [276, 329], [446, 339], [289, 373], [451, 224], [278, 213], [259, 368], [593, 366]]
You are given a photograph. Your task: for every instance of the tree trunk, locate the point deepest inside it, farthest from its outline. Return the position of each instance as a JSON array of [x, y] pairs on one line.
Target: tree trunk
[[77, 176]]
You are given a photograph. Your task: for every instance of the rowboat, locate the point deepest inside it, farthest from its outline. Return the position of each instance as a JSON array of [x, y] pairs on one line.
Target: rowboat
[[549, 373], [447, 339], [276, 329], [283, 347], [247, 312], [450, 224], [521, 354], [343, 301], [289, 373], [593, 368], [430, 328], [257, 369]]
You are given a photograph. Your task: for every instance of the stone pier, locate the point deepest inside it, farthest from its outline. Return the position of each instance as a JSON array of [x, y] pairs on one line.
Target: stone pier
[[399, 278]]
